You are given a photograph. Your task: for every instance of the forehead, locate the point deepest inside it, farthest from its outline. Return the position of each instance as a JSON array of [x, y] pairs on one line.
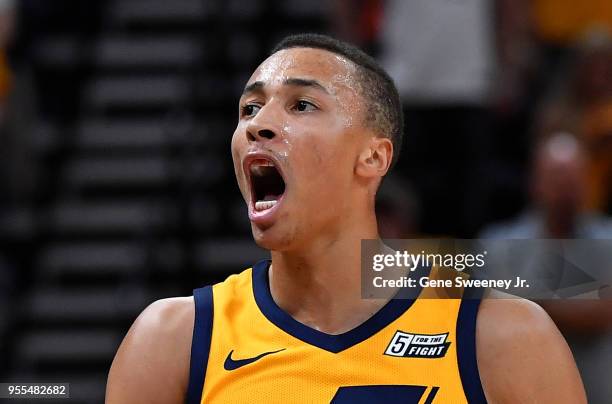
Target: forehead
[[326, 67]]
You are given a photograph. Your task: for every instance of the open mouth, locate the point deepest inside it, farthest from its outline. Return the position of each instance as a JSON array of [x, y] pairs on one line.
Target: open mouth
[[267, 184]]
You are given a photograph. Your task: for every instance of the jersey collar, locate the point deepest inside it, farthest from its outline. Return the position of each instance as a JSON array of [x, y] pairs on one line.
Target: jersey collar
[[392, 310]]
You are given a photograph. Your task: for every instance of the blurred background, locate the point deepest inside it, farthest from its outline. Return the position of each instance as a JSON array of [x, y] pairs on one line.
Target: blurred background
[[116, 182]]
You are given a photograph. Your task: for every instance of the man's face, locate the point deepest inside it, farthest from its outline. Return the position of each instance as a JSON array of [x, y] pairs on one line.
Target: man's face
[[299, 132]]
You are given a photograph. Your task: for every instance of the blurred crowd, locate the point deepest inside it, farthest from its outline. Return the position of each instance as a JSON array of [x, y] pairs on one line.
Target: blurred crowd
[[483, 83], [508, 125]]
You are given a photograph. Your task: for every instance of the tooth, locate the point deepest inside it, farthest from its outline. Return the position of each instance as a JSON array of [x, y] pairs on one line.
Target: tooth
[[264, 205], [262, 163]]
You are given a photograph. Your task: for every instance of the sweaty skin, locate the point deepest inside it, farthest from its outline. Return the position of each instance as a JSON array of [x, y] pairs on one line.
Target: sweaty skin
[[302, 108]]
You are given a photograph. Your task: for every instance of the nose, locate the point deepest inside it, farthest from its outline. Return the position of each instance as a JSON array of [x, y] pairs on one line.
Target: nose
[[254, 134], [263, 126]]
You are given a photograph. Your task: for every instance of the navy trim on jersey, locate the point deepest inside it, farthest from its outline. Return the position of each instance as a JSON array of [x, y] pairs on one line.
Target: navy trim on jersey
[[466, 345], [378, 394], [432, 395], [332, 343], [200, 345]]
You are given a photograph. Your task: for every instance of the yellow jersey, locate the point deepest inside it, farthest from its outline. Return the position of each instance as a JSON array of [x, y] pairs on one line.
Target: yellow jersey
[[246, 349]]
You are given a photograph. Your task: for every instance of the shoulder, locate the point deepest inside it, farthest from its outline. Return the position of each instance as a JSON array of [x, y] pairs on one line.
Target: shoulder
[[157, 345], [503, 319], [168, 315], [169, 320], [596, 226], [521, 354], [523, 226]]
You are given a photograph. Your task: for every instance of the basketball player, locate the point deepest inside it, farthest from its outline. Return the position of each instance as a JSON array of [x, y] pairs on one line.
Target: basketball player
[[319, 127]]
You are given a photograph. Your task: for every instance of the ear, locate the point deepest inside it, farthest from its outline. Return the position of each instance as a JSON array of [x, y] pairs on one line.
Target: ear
[[375, 159]]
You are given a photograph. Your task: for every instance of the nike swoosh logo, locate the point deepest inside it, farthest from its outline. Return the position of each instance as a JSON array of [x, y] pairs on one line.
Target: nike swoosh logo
[[233, 364]]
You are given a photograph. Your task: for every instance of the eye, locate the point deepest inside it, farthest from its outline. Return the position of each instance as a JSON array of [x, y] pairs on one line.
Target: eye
[[305, 106], [250, 109]]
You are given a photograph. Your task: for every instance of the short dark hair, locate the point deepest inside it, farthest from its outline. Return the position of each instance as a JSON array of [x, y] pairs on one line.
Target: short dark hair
[[383, 105]]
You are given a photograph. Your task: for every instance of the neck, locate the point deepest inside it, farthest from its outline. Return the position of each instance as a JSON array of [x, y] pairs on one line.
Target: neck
[[320, 285]]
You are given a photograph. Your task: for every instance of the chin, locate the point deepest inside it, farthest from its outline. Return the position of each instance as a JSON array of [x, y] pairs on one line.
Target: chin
[[272, 238]]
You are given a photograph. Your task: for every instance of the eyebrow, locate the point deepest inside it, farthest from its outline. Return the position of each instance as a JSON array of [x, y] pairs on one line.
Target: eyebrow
[[305, 83], [253, 87], [292, 81]]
